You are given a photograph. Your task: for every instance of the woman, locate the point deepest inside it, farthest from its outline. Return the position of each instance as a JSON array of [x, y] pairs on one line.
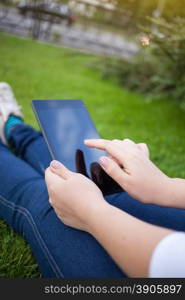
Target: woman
[[78, 232]]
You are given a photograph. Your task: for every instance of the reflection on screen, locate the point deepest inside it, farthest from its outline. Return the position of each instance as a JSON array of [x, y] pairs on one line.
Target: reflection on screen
[[65, 129]]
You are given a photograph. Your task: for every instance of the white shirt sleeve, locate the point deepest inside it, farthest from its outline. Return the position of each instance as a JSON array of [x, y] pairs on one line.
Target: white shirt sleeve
[[168, 259]]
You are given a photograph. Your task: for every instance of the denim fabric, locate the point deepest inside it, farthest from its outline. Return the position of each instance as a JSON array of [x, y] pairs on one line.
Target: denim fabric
[[60, 251]]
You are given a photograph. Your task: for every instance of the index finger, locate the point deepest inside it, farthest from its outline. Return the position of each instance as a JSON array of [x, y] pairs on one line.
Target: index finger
[[111, 147], [97, 143]]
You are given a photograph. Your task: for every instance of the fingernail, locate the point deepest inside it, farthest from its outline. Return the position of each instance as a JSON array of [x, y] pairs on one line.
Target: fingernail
[[104, 161], [86, 141], [55, 164]]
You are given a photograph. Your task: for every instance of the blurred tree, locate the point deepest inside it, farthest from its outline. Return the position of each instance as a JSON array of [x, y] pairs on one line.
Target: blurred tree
[[158, 69], [140, 9]]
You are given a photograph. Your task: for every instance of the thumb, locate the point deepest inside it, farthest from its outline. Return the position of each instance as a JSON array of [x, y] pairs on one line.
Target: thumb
[[59, 169], [111, 167]]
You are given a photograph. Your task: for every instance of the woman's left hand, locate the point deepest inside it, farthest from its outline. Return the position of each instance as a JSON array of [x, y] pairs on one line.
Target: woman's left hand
[[74, 197]]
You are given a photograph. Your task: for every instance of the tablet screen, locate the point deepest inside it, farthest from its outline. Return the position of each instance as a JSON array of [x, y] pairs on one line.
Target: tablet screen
[[65, 124]]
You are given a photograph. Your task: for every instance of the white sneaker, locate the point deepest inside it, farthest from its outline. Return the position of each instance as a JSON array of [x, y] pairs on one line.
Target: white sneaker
[[8, 106]]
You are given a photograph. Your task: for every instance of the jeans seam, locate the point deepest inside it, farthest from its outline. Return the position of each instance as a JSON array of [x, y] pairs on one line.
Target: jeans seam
[[40, 240]]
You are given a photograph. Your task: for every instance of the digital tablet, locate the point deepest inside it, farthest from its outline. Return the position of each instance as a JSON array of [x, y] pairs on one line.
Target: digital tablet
[[65, 124]]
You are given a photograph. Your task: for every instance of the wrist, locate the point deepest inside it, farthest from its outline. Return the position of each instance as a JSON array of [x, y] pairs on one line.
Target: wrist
[[169, 192], [160, 192], [176, 193], [97, 215]]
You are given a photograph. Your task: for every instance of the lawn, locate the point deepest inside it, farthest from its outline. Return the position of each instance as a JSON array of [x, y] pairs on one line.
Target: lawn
[[39, 71]]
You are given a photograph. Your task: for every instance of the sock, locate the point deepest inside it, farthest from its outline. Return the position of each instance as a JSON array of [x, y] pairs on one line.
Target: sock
[[10, 123]]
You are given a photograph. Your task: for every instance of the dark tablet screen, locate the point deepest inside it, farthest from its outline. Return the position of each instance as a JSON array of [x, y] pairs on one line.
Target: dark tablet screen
[[65, 124]]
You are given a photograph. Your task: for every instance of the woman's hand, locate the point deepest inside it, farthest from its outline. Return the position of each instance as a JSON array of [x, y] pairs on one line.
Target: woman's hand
[[129, 165], [75, 198]]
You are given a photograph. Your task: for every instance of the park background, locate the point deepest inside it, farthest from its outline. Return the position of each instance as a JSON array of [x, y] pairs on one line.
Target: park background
[[125, 59]]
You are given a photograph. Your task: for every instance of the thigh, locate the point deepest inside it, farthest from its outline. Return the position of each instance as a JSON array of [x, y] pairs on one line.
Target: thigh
[[62, 251], [59, 250], [30, 145], [18, 181]]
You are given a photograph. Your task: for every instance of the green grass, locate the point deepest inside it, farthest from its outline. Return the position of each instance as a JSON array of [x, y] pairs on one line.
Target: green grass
[[38, 71]]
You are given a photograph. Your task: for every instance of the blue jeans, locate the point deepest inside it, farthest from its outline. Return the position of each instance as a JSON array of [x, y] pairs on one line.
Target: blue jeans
[[60, 251]]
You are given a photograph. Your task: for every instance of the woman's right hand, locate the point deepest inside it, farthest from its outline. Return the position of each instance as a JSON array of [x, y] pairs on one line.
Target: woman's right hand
[[129, 165]]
